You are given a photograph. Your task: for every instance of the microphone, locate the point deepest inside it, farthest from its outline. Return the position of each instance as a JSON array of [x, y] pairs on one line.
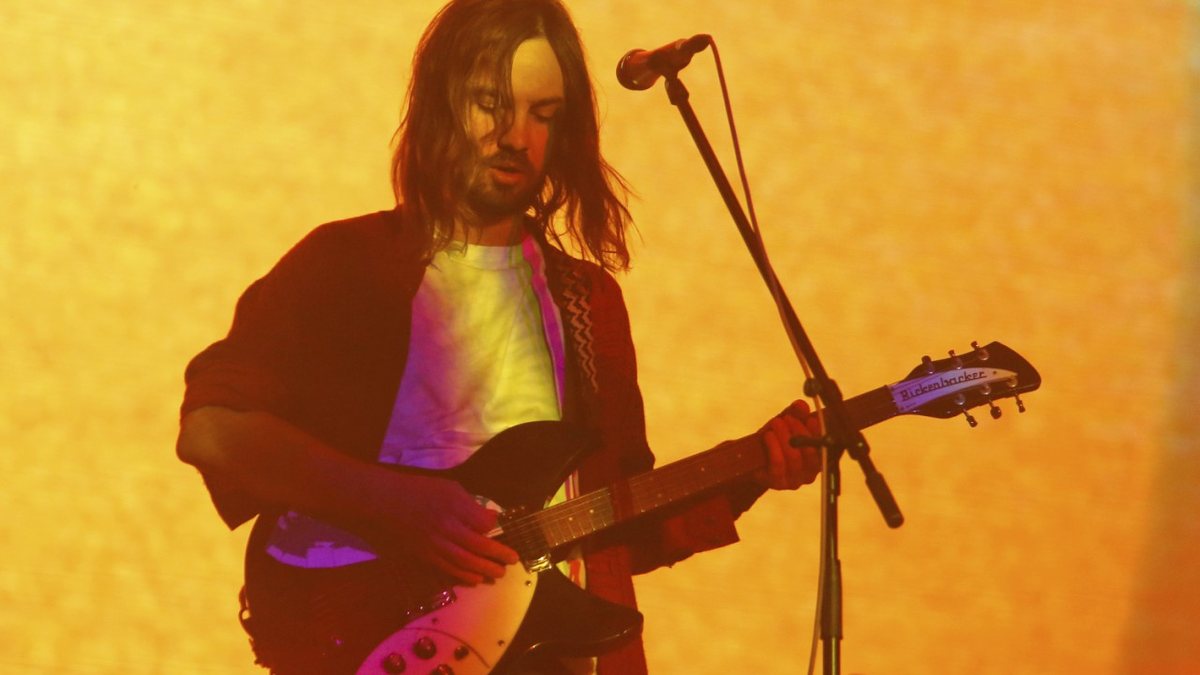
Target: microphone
[[640, 69]]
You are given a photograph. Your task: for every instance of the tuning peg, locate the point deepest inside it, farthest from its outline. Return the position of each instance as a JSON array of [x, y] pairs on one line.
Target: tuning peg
[[995, 410], [970, 420], [1020, 404], [980, 352], [928, 363], [957, 360]]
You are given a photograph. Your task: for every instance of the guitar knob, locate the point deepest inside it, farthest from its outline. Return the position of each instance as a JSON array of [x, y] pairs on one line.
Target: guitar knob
[[461, 652], [442, 670], [394, 663], [424, 649]]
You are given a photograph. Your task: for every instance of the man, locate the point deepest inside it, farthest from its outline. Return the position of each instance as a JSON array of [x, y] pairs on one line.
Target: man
[[416, 335]]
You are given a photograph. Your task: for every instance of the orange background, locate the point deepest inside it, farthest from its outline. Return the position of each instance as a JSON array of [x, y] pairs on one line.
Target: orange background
[[926, 174]]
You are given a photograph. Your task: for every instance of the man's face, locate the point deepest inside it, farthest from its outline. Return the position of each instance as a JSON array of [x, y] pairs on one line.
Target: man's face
[[512, 161]]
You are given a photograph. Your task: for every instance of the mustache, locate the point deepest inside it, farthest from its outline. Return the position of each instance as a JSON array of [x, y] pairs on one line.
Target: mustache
[[509, 159]]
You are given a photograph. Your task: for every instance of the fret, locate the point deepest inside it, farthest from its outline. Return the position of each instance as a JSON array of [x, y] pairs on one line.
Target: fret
[[573, 520], [690, 476]]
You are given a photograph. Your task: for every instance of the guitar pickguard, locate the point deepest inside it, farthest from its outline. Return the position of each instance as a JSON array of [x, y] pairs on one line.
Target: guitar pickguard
[[469, 635]]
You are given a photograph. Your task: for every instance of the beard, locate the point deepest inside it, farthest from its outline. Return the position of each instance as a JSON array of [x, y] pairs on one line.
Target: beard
[[491, 199]]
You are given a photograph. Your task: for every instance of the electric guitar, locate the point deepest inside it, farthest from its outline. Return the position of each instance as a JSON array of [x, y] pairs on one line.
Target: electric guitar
[[391, 616]]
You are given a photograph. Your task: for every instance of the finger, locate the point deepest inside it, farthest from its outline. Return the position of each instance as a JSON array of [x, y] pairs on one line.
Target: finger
[[783, 436], [492, 550], [469, 562], [775, 438], [473, 515], [805, 463], [799, 432], [799, 408], [458, 574], [812, 423], [810, 427], [812, 460], [793, 457], [795, 469], [481, 520], [810, 455], [483, 546]]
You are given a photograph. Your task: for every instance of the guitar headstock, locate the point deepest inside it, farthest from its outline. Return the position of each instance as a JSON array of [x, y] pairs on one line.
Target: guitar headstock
[[956, 384]]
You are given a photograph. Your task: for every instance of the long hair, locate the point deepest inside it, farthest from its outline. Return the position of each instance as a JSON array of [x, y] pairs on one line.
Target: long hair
[[582, 199]]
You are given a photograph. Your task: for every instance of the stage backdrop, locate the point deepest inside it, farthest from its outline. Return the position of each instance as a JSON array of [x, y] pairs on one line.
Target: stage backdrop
[[926, 174]]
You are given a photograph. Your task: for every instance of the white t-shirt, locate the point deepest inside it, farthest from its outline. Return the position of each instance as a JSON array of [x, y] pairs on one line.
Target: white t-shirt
[[479, 362]]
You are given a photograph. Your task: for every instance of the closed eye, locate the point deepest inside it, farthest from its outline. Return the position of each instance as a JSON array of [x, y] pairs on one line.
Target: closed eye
[[485, 99], [546, 112]]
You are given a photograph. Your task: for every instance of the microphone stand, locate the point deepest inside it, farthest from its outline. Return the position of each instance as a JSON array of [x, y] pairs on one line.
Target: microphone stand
[[840, 436]]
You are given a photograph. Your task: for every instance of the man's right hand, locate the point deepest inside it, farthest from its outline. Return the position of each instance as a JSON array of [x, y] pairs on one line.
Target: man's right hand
[[438, 522], [431, 519]]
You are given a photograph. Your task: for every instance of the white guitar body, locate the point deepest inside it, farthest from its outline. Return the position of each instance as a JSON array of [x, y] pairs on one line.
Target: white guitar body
[[466, 635]]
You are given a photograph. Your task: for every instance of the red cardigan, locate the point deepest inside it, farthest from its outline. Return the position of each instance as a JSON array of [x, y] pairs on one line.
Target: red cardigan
[[321, 342]]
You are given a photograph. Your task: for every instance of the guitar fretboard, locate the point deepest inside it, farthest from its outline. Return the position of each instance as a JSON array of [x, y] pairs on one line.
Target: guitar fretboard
[[641, 494], [534, 534]]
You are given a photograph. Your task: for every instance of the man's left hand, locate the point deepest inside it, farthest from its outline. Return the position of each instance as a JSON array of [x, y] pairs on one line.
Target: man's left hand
[[790, 467]]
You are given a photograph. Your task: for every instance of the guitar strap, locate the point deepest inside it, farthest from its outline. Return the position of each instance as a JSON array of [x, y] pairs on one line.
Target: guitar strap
[[572, 292], [576, 294]]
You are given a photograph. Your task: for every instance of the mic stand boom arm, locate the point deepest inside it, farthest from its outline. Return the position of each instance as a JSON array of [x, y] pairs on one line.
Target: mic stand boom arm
[[840, 436]]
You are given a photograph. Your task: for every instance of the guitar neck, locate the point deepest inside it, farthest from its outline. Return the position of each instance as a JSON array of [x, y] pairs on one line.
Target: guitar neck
[[654, 490]]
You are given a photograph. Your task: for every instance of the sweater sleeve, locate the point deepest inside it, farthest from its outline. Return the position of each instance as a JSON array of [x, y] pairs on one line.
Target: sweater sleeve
[[256, 366]]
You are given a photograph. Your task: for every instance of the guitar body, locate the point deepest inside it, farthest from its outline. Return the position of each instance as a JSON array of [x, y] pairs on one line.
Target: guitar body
[[392, 615]]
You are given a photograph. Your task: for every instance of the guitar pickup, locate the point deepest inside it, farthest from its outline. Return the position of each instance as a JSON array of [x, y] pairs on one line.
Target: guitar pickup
[[431, 604]]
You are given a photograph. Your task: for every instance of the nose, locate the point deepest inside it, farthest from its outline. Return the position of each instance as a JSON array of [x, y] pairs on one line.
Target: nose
[[516, 133]]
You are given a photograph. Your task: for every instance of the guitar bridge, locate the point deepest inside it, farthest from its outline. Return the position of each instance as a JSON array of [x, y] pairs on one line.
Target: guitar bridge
[[539, 564]]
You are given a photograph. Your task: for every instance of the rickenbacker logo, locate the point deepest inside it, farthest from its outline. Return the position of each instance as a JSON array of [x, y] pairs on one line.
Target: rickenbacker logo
[[912, 394]]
